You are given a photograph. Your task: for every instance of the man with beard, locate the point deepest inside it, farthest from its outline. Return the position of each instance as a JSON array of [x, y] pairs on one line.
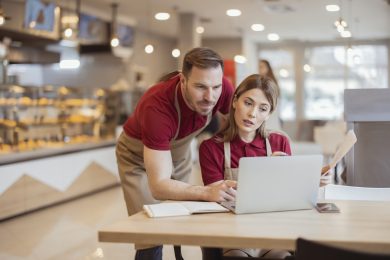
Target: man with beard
[[153, 152]]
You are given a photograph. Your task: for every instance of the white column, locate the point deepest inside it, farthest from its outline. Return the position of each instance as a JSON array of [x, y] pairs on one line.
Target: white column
[[188, 38]]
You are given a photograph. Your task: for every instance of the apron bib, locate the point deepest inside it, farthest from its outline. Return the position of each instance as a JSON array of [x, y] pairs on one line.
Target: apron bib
[[232, 173], [131, 166]]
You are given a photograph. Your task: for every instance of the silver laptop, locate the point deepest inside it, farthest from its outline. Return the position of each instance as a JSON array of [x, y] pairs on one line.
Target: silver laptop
[[276, 183]]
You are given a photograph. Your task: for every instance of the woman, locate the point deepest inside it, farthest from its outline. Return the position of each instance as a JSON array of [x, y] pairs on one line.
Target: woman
[[245, 136], [265, 70]]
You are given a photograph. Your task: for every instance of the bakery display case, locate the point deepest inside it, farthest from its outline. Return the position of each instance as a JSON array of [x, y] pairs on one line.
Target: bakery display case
[[33, 118], [56, 144]]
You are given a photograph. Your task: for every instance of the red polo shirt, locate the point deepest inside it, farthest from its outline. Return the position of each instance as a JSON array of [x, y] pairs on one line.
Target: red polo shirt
[[155, 119], [211, 154]]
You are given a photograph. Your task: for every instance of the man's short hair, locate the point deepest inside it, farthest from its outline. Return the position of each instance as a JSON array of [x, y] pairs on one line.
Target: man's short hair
[[201, 57]]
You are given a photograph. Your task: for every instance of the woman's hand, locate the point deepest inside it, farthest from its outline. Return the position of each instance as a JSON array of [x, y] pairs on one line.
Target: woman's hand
[[325, 169], [278, 153]]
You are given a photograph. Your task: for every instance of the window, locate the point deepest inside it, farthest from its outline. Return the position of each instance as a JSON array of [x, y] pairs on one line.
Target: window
[[331, 69]]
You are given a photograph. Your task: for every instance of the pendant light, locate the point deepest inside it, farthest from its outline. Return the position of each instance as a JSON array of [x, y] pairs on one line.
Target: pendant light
[[114, 23], [71, 22], [3, 16]]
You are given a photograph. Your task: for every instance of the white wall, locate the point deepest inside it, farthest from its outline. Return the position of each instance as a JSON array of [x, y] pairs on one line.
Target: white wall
[[226, 47], [160, 61]]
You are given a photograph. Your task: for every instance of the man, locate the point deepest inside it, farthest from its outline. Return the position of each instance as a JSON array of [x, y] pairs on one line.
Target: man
[[153, 152]]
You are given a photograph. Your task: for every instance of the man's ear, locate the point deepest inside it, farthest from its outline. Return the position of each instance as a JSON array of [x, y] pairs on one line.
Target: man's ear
[[182, 79]]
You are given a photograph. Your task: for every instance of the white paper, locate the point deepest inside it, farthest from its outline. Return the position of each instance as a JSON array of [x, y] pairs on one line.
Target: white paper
[[342, 192], [349, 140], [182, 208], [166, 210], [203, 207]]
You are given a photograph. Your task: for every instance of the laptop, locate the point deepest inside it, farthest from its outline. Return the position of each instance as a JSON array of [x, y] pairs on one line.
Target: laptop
[[276, 183]]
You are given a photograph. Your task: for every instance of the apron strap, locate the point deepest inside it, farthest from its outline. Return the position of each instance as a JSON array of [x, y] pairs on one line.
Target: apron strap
[[268, 147], [178, 111], [226, 149]]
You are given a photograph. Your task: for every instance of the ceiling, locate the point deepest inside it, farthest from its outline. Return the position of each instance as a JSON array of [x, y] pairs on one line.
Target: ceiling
[[305, 20]]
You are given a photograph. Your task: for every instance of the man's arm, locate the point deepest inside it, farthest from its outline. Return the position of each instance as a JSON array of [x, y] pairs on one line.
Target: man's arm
[[159, 167]]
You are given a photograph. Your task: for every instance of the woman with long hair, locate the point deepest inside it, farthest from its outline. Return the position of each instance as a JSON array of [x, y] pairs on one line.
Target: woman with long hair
[[245, 136]]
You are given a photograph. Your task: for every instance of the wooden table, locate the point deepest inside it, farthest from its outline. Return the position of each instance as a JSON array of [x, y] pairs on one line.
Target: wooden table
[[360, 225]]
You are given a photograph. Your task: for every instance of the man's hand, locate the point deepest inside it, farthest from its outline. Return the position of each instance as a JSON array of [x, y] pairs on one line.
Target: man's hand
[[221, 191]]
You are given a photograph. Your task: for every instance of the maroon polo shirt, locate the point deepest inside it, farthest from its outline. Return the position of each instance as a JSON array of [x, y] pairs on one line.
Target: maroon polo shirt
[[155, 119], [211, 154]]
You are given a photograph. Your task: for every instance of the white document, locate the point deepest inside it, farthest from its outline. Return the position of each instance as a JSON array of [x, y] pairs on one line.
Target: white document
[[342, 192], [182, 208], [349, 140]]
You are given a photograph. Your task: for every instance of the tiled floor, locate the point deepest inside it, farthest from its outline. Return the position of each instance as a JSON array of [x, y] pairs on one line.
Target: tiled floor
[[69, 231]]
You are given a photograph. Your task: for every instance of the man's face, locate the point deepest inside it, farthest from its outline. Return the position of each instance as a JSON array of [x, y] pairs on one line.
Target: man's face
[[202, 89]]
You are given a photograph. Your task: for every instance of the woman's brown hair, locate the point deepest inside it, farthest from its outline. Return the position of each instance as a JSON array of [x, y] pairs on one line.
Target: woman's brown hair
[[254, 81]]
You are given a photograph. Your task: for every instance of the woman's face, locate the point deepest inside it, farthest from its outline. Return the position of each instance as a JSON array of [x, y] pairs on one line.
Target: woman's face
[[263, 69], [251, 109]]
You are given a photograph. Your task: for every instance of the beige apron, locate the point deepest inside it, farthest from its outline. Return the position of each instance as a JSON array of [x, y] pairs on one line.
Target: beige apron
[[232, 174], [129, 153]]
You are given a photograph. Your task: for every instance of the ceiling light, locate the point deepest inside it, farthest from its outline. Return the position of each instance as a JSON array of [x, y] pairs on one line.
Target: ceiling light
[[257, 27], [233, 12], [340, 28], [273, 37], [68, 32], [200, 29], [114, 42], [162, 16], [346, 34], [284, 73], [240, 59], [307, 68], [114, 26], [149, 49], [2, 20], [69, 64], [176, 53], [332, 8]]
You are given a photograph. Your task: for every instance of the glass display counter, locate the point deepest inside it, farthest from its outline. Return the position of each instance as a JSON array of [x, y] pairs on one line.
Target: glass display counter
[[56, 144], [34, 118]]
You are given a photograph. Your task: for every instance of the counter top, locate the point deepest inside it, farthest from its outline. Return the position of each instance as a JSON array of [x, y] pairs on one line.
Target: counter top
[[50, 152]]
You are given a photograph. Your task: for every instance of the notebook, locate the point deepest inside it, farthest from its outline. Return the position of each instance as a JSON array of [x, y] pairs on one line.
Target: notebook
[[182, 208], [276, 183]]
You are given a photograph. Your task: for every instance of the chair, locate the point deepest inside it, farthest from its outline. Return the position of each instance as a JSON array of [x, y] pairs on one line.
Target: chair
[[343, 192], [309, 250]]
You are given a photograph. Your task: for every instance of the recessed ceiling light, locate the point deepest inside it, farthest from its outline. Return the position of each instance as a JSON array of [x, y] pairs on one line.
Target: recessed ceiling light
[[307, 67], [346, 34], [332, 8], [257, 27], [233, 12], [162, 16], [240, 59], [273, 37], [149, 48], [176, 53], [200, 29]]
